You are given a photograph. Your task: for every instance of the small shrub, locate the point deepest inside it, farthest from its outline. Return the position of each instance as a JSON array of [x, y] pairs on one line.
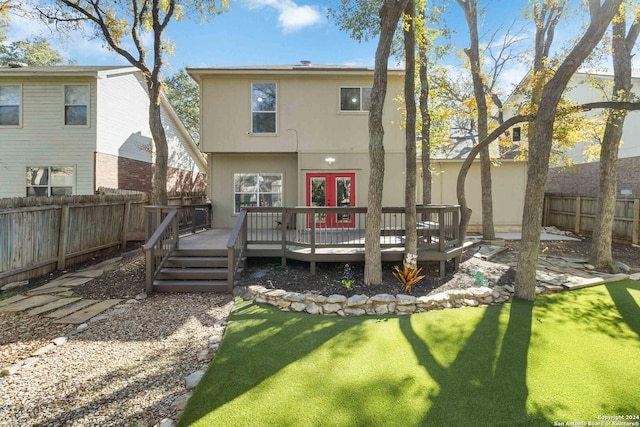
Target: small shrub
[[347, 277], [409, 275]]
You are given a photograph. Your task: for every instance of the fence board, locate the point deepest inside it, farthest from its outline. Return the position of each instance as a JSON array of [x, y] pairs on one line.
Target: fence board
[[578, 214], [31, 229]]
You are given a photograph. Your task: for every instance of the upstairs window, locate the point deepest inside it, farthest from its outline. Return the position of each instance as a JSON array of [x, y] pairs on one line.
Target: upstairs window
[[50, 181], [10, 105], [263, 108], [76, 105], [257, 189], [355, 98]]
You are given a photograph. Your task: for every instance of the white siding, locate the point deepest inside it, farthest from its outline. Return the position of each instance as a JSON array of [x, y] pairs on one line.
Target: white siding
[[181, 154], [43, 139], [123, 117]]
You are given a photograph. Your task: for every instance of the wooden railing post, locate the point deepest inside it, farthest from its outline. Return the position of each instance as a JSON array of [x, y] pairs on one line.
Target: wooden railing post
[[577, 220], [636, 221], [284, 227], [545, 214], [62, 236], [313, 240], [441, 229]]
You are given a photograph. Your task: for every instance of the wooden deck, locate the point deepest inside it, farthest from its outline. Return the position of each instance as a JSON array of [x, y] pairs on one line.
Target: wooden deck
[[211, 260]]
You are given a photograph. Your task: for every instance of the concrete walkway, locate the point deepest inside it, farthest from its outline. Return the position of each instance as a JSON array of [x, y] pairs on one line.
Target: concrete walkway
[[57, 300]]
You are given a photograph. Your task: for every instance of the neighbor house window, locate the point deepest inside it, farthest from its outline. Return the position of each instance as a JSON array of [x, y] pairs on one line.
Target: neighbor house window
[[263, 107], [76, 105], [355, 98], [50, 181], [516, 134], [10, 105], [257, 189]]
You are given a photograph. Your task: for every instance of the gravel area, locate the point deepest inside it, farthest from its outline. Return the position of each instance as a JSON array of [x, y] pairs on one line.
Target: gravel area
[[125, 369]]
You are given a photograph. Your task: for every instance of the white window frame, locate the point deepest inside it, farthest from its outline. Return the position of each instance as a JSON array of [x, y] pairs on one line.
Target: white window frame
[[360, 109], [49, 185], [65, 105], [257, 193], [19, 86], [274, 112]]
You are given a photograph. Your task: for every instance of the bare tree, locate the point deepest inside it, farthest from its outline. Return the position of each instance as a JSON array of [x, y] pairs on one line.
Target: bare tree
[[622, 44], [470, 8]]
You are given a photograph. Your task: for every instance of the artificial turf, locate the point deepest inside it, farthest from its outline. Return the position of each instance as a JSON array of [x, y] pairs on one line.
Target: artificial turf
[[572, 357]]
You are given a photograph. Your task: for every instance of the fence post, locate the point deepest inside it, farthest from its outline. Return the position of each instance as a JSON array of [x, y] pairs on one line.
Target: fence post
[[636, 221], [577, 221], [125, 224], [62, 237], [545, 214]]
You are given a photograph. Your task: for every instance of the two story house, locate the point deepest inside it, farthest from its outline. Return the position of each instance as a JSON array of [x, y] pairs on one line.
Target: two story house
[[68, 130], [295, 135]]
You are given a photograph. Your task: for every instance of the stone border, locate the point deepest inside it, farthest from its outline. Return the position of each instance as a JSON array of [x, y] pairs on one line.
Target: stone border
[[359, 305]]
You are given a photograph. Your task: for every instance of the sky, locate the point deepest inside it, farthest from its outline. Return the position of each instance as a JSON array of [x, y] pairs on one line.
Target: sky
[[269, 32]]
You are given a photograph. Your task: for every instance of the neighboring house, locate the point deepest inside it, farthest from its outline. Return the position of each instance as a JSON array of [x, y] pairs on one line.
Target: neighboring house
[[582, 178], [508, 180], [295, 135], [73, 129]]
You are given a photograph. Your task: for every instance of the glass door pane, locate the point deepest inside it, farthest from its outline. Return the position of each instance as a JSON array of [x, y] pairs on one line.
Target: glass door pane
[[319, 196], [343, 196]]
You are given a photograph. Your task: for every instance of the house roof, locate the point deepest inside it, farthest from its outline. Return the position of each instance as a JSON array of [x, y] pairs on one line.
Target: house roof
[[460, 146], [66, 70], [294, 69]]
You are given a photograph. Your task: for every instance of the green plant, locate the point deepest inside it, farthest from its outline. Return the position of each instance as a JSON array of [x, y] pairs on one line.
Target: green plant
[[408, 275], [347, 277]]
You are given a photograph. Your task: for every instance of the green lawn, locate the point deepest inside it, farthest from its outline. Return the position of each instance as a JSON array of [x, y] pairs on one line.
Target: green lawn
[[570, 357]]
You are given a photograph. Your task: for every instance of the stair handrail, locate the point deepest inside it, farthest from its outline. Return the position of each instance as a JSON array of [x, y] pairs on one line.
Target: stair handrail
[[159, 247], [236, 245]]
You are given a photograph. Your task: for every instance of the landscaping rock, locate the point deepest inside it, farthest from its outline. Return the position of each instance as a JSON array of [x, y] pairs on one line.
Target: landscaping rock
[[181, 402], [215, 339], [622, 267], [635, 276], [298, 306], [192, 380], [59, 341], [167, 422], [333, 299], [14, 285], [356, 300]]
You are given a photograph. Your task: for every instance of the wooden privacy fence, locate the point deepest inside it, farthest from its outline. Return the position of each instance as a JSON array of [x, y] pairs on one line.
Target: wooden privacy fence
[[39, 235], [577, 214]]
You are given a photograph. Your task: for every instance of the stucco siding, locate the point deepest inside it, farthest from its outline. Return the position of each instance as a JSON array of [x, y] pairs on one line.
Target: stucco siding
[[508, 188], [308, 116], [123, 118], [42, 139], [222, 168]]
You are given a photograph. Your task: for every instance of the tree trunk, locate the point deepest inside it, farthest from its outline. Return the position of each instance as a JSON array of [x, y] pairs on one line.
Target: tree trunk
[[470, 8], [426, 122], [540, 147], [159, 194], [411, 238], [390, 13], [622, 44]]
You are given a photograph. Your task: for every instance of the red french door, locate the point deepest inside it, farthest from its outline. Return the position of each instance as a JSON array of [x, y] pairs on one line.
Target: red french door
[[332, 189]]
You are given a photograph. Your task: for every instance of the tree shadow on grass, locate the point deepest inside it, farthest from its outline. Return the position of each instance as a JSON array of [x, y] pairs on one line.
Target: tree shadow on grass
[[627, 306], [486, 384], [258, 337]]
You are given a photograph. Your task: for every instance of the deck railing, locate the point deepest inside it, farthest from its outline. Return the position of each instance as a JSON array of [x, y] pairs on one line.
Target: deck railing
[[160, 245], [235, 248], [191, 218], [336, 227]]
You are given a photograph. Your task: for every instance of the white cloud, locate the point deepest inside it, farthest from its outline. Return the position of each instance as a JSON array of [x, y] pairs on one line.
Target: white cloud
[[292, 17]]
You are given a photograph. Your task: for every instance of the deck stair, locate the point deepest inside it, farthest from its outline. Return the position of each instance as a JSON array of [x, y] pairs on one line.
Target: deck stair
[[194, 270]]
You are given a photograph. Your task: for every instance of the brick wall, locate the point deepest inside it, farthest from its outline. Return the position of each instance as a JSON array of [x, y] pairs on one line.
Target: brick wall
[[583, 180], [128, 174]]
